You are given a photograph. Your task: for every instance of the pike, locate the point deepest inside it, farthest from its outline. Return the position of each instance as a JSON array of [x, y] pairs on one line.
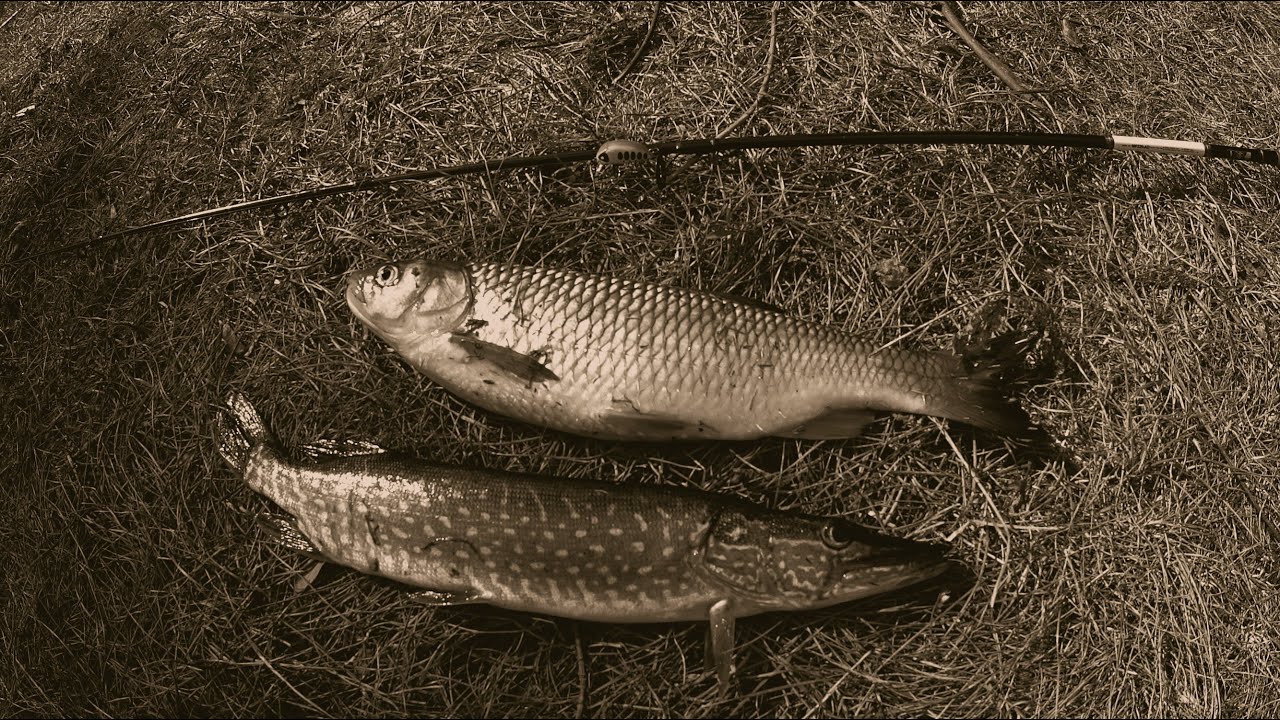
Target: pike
[[600, 356], [588, 550]]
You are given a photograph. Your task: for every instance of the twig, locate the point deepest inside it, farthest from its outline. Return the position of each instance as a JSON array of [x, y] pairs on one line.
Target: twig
[[384, 13], [339, 8], [12, 16], [764, 82], [952, 16], [653, 23], [582, 671], [294, 17], [267, 664]]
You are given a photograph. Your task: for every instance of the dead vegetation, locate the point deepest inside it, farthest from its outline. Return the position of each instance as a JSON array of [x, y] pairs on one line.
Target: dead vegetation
[[1136, 576]]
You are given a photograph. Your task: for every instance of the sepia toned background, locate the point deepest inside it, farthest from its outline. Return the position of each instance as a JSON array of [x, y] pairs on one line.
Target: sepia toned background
[[1133, 574]]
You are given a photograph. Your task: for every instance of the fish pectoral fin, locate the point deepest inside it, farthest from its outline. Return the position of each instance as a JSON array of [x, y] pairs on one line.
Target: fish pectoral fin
[[625, 420], [511, 362], [326, 448], [442, 598], [309, 579], [720, 644], [834, 424], [284, 530]]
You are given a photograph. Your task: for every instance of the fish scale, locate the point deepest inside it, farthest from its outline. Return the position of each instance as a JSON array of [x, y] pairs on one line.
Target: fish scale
[[607, 357], [581, 549]]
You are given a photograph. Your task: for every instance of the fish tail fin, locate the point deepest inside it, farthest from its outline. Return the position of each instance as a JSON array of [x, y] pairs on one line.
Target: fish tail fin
[[980, 391], [240, 430]]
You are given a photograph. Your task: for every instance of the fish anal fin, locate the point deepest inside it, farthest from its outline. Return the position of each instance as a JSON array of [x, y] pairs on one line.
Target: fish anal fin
[[625, 420], [720, 644], [834, 424], [444, 598], [525, 367], [284, 530]]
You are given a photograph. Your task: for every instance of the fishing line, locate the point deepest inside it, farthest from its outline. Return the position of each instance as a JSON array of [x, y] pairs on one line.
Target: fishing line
[[702, 146], [373, 183], [653, 23], [768, 69]]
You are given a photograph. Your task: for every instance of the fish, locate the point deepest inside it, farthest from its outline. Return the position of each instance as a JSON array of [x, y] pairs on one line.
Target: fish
[[605, 357], [572, 548]]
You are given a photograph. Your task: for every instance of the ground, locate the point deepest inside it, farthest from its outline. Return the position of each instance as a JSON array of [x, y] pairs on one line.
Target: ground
[[1132, 573]]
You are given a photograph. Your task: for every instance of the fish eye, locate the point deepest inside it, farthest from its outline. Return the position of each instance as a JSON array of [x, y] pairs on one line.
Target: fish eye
[[838, 535], [386, 275], [603, 157]]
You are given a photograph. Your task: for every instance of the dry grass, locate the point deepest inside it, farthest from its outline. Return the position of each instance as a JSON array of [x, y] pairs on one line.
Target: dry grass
[[1139, 579]]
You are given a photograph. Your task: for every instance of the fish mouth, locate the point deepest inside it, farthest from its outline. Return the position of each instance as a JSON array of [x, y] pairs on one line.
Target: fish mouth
[[357, 303], [356, 300], [899, 564], [355, 286]]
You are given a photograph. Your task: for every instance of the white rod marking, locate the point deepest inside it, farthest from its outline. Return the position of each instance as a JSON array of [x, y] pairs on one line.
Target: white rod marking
[[1175, 147]]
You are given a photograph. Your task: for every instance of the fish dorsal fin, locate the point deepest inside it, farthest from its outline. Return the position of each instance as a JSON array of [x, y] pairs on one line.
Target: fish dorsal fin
[[834, 424], [525, 367], [327, 448], [743, 300]]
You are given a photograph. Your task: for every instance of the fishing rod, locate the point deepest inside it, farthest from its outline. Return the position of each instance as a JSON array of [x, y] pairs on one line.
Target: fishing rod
[[617, 152]]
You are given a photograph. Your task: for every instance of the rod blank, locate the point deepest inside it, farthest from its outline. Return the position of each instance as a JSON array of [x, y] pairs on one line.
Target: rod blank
[[713, 145]]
